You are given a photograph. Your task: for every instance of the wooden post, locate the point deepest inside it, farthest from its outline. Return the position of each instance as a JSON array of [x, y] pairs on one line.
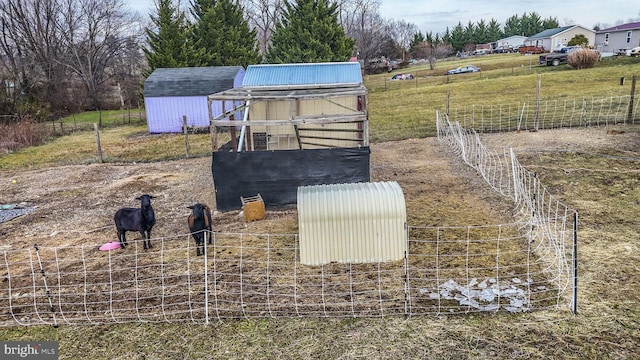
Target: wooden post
[[232, 131], [186, 133], [212, 128], [631, 100], [95, 129], [448, 99]]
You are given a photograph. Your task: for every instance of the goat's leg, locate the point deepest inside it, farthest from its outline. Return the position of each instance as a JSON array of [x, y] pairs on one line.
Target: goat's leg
[[122, 239], [144, 239], [149, 239], [196, 239]]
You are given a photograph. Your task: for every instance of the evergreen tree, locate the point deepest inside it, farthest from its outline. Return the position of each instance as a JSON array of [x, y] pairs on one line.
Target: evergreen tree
[[513, 26], [429, 37], [309, 32], [221, 35], [446, 37], [168, 44], [550, 23], [469, 35], [494, 32], [481, 32], [457, 38], [418, 38]]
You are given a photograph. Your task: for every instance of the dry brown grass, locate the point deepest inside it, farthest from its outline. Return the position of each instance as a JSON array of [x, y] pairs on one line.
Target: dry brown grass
[[592, 170], [20, 134]]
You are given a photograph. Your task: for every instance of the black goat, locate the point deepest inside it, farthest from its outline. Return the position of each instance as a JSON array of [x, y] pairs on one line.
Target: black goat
[[136, 219], [199, 221]]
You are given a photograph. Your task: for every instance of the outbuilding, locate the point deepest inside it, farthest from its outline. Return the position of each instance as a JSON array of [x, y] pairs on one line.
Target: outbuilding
[[301, 124], [171, 94]]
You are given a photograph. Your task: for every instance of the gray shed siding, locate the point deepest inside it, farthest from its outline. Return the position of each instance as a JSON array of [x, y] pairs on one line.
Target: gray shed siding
[[171, 94]]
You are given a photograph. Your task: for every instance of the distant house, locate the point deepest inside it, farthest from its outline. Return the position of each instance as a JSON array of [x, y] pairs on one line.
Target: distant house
[[555, 39], [619, 38], [172, 93], [510, 42]]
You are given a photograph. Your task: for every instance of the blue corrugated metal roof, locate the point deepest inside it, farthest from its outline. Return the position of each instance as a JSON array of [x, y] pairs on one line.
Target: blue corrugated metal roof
[[302, 74]]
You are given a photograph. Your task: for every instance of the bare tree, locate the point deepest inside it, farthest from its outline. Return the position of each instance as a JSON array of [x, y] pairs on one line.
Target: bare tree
[[31, 45], [60, 52], [263, 16], [362, 21], [403, 33], [97, 33]]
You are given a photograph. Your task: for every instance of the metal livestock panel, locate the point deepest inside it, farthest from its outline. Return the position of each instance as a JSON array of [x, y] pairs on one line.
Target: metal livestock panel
[[352, 223]]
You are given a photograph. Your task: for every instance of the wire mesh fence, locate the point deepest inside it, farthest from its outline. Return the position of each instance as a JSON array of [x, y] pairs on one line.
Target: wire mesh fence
[[523, 266], [548, 114]]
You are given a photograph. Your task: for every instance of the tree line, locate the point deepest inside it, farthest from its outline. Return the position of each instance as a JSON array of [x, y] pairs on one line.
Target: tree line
[[63, 56]]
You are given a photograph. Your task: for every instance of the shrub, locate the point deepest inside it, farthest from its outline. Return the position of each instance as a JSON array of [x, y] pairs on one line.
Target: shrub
[[20, 134], [583, 59]]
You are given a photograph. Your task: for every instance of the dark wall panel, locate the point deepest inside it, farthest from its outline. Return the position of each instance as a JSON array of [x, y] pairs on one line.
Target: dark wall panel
[[276, 175]]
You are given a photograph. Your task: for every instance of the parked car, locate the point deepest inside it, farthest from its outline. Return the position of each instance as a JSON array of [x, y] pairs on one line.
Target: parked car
[[503, 49], [635, 51], [463, 69], [402, 77]]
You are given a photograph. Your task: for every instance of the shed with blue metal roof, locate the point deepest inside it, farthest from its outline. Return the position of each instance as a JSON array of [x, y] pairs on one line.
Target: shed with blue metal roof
[[301, 106], [316, 112]]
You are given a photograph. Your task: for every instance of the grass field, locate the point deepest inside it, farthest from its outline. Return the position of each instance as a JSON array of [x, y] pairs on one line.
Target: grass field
[[601, 182]]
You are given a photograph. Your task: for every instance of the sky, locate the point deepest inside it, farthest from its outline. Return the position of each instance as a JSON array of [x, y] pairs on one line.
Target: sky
[[436, 15]]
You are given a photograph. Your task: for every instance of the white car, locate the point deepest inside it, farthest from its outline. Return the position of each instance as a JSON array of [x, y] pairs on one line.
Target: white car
[[634, 52]]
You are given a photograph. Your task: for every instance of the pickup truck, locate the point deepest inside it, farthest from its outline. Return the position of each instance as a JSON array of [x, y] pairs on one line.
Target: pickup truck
[[557, 58], [553, 59], [531, 50]]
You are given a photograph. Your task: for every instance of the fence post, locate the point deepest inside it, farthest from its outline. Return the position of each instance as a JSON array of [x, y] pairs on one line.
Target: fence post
[[631, 100], [186, 133], [95, 129], [448, 100]]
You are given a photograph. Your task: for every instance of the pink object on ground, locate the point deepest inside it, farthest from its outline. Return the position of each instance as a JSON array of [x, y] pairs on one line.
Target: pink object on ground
[[110, 246]]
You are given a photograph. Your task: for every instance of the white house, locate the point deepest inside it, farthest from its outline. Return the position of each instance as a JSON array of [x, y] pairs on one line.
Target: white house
[[619, 38], [555, 39], [510, 42]]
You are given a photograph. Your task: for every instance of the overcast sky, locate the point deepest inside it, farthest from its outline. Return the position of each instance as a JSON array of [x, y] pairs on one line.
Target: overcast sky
[[436, 15]]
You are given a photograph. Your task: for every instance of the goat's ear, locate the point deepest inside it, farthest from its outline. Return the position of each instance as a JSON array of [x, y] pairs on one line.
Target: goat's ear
[[151, 197], [138, 198], [190, 207]]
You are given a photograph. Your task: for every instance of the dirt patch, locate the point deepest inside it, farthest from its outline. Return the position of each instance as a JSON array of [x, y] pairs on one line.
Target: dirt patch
[[74, 205]]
